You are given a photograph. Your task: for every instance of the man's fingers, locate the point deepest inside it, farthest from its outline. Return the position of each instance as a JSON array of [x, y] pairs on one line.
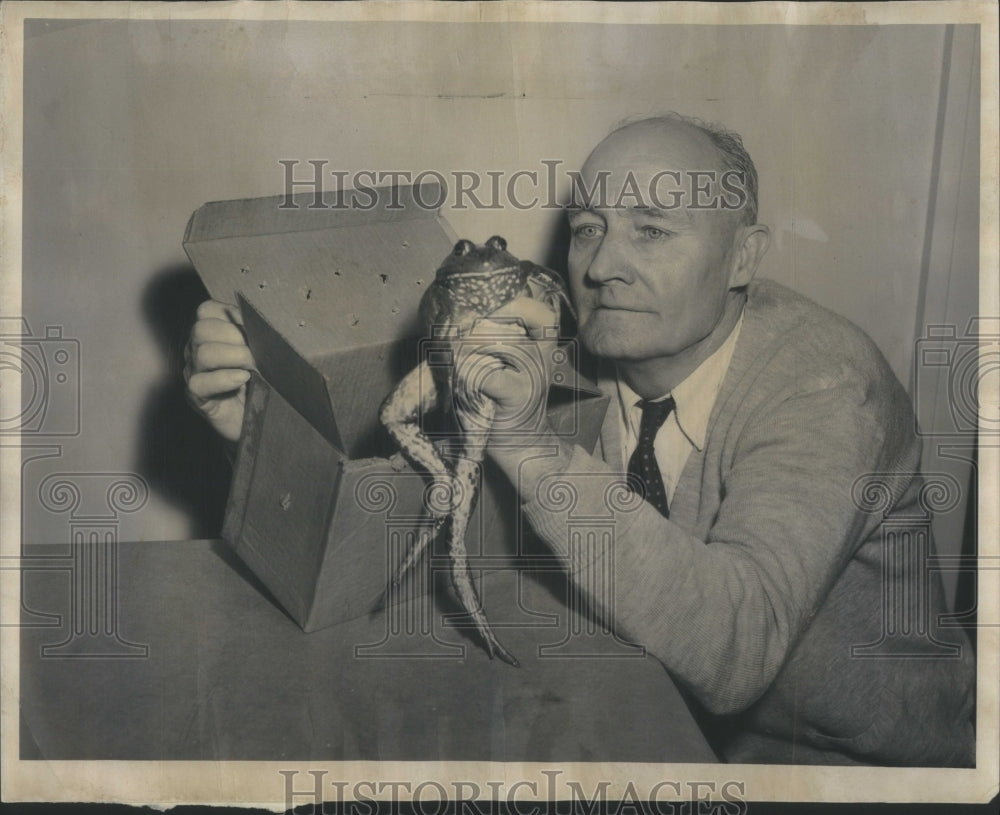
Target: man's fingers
[[534, 314], [500, 355], [487, 329], [213, 356], [211, 329], [480, 364], [213, 384], [234, 314], [504, 386], [505, 373], [214, 310]]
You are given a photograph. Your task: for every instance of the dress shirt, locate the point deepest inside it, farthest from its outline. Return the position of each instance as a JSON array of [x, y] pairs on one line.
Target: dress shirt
[[685, 427]]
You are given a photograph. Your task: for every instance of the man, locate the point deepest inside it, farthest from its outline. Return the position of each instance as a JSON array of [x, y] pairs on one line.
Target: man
[[748, 416]]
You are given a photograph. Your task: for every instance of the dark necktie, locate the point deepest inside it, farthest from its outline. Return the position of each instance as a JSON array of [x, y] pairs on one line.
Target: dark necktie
[[643, 464]]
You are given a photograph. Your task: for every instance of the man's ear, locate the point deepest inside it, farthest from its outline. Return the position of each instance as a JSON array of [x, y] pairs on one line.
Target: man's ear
[[749, 246]]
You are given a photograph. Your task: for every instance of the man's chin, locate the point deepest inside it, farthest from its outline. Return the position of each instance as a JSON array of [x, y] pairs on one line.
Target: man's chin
[[617, 335]]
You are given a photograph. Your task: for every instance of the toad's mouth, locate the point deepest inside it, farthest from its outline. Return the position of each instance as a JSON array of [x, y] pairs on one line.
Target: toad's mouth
[[487, 273]]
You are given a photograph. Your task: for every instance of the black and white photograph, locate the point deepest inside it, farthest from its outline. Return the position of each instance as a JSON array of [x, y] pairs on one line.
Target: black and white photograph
[[500, 403]]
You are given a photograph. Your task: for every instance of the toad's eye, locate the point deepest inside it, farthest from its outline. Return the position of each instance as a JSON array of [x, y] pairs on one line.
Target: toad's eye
[[586, 231]]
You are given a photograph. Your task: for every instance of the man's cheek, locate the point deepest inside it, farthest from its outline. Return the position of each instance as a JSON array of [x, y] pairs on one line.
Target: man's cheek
[[584, 304], [581, 296], [589, 317], [607, 328]]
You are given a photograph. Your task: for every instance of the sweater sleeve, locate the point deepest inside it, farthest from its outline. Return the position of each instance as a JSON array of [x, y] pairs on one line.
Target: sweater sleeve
[[723, 613]]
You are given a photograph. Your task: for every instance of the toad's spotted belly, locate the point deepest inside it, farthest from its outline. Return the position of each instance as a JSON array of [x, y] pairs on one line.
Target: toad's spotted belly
[[472, 282]]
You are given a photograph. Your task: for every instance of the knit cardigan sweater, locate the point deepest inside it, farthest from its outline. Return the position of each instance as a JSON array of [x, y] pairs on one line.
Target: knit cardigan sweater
[[762, 589]]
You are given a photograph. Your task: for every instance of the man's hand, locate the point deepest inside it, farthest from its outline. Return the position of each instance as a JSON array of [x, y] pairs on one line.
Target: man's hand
[[515, 374], [217, 365], [507, 357]]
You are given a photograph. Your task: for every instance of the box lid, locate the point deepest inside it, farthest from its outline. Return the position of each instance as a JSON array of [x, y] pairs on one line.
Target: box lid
[[329, 296], [333, 278]]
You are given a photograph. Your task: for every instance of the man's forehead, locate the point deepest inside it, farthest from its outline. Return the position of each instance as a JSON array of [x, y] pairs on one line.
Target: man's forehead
[[651, 146], [660, 168]]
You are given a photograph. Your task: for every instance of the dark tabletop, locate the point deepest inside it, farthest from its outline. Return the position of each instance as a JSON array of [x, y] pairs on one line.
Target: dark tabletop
[[193, 660]]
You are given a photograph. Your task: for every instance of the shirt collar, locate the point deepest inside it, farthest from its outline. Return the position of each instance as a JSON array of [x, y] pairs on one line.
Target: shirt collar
[[694, 397]]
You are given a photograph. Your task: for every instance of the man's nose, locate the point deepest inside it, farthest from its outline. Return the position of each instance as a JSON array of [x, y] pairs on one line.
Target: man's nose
[[609, 263]]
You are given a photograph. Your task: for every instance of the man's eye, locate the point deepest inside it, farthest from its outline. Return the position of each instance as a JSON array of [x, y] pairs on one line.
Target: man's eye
[[654, 233], [586, 231]]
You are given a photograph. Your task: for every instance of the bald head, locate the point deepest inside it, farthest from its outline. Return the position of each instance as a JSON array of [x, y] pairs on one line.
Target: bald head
[[661, 138], [676, 143]]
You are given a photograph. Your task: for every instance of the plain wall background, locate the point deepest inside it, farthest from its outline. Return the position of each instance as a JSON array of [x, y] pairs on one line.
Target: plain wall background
[[131, 125]]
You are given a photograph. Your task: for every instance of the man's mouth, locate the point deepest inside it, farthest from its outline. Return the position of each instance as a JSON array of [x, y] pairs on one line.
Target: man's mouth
[[619, 307]]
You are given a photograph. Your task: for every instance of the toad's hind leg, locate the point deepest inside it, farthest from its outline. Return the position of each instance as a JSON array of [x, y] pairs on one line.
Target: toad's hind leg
[[416, 395], [465, 492]]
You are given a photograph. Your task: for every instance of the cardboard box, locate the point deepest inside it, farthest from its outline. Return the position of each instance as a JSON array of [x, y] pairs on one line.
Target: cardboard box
[[322, 507]]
